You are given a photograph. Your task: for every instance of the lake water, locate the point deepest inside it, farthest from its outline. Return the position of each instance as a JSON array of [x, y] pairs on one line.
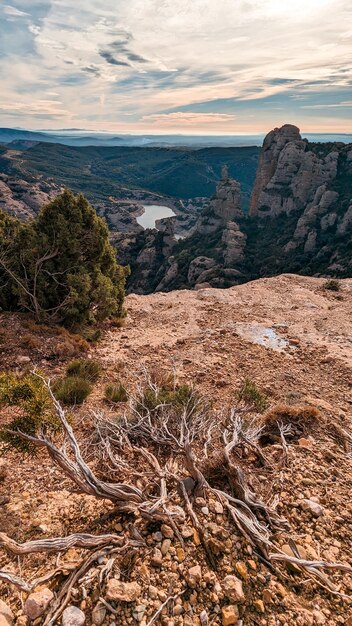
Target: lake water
[[153, 212]]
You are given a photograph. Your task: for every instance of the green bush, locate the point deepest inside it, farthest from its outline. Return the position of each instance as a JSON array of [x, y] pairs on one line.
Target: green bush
[[61, 266], [332, 285], [72, 390], [178, 398], [84, 368], [250, 394], [115, 392], [34, 406]]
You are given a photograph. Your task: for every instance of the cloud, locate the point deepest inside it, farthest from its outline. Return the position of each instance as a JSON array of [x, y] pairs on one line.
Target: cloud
[[137, 65], [13, 12], [109, 58]]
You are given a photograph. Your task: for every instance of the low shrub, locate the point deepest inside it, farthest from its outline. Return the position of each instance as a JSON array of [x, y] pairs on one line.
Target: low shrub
[[250, 394], [84, 368], [33, 408], [332, 285], [72, 390], [116, 392], [178, 398]]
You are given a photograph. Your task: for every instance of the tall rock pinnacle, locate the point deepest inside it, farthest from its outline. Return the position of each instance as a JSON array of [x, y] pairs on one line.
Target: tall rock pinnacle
[[273, 144]]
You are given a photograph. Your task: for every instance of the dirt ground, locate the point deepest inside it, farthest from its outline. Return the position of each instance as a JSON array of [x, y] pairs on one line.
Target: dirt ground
[[289, 335]]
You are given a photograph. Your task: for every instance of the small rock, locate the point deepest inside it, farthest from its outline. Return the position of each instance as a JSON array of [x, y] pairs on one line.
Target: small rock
[[153, 592], [138, 612], [165, 546], [187, 532], [313, 507], [157, 558], [268, 597], [180, 554], [122, 592], [292, 567], [232, 587], [217, 507], [204, 620], [167, 531], [241, 569], [73, 616], [37, 603], [305, 442], [6, 615], [195, 572], [158, 537], [319, 618], [230, 615], [196, 537], [98, 614], [259, 606]]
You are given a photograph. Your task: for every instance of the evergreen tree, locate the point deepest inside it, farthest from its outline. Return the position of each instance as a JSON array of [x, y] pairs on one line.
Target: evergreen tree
[[61, 265]]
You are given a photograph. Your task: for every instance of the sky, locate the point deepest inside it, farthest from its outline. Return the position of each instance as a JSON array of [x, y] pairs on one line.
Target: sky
[[176, 66]]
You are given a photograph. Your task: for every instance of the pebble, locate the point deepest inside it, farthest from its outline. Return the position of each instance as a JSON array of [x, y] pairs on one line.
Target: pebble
[[180, 554], [313, 507], [6, 615], [230, 615], [138, 612], [165, 546], [157, 558], [233, 590], [259, 606], [167, 531], [241, 569], [122, 592], [98, 614], [73, 616], [37, 603]]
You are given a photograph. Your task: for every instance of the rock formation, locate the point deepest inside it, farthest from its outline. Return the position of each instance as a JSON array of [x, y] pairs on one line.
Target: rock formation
[[218, 264], [309, 187], [289, 173]]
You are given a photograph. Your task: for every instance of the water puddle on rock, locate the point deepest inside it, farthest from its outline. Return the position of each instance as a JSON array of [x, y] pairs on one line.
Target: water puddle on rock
[[261, 335]]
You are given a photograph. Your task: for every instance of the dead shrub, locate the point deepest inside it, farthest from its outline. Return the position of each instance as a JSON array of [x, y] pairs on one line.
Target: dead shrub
[[296, 420], [28, 341]]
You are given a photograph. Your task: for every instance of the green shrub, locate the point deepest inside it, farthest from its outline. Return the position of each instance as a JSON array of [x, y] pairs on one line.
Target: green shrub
[[252, 395], [332, 285], [91, 334], [34, 406], [178, 398], [67, 240], [84, 368], [72, 390], [115, 392]]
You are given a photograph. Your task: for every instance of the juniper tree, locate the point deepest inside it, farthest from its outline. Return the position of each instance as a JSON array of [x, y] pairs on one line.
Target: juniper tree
[[61, 265]]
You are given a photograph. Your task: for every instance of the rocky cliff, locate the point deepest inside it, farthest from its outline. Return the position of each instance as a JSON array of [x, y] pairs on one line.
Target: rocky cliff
[[303, 195], [300, 219]]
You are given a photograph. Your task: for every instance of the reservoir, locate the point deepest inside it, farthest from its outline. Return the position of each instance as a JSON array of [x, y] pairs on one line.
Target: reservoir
[[153, 212]]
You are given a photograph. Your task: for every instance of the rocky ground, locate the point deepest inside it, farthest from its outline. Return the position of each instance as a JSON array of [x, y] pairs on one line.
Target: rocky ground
[[294, 339]]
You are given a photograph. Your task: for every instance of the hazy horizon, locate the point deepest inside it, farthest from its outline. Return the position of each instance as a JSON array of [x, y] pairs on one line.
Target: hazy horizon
[[176, 67]]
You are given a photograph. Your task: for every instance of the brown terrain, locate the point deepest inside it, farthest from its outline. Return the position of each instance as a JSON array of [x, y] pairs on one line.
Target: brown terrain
[[293, 338]]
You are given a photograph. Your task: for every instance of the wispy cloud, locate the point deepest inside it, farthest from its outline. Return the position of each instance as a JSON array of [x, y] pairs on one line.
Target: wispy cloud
[[13, 12], [135, 65]]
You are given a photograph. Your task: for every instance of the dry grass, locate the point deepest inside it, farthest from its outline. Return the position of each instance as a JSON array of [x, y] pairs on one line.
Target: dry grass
[[297, 420]]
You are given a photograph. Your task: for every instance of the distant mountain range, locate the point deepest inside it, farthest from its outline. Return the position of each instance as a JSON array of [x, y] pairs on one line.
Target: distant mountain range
[[79, 137]]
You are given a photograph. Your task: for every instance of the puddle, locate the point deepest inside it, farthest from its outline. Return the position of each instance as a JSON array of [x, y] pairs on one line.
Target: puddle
[[261, 335]]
